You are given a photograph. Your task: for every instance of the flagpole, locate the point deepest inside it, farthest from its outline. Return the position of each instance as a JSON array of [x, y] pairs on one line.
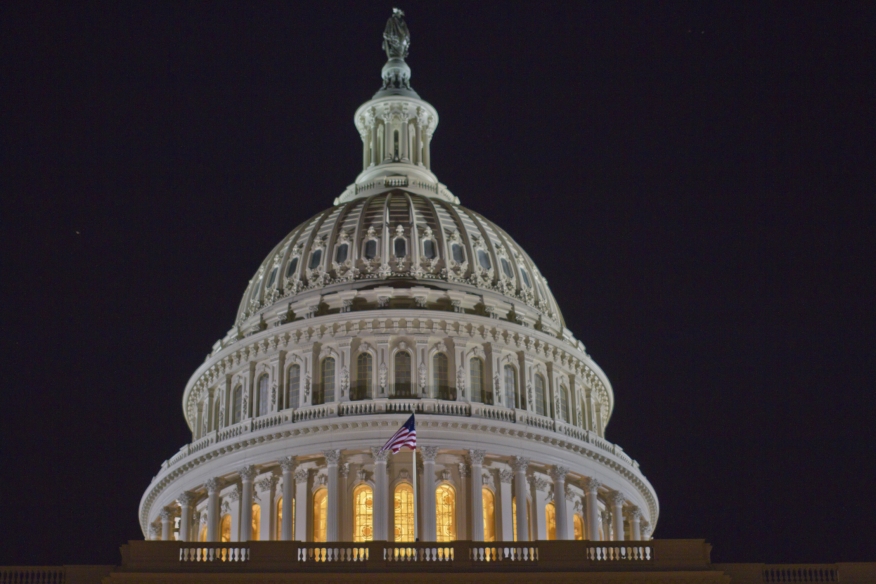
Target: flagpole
[[414, 452]]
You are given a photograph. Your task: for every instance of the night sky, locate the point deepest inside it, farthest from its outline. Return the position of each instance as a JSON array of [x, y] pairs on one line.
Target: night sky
[[695, 180]]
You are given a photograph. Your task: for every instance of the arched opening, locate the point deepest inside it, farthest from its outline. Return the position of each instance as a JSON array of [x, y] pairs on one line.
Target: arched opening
[[278, 526], [564, 404], [396, 145], [400, 247], [326, 390], [225, 528], [404, 513], [256, 522], [550, 520], [363, 514], [293, 386], [578, 525], [476, 366], [263, 396], [439, 377], [217, 422], [514, 517], [237, 405], [202, 533], [402, 386], [364, 372], [511, 387], [540, 408], [489, 504], [320, 515], [445, 513]]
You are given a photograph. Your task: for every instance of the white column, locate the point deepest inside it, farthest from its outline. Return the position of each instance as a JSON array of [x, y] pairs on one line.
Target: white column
[[345, 519], [591, 492], [416, 156], [166, 517], [646, 531], [247, 474], [558, 473], [287, 464], [154, 533], [635, 516], [463, 508], [521, 487], [375, 143], [427, 155], [403, 151], [476, 458], [617, 501], [332, 457], [505, 478], [213, 486], [381, 495], [185, 514], [302, 480], [429, 521], [539, 501]]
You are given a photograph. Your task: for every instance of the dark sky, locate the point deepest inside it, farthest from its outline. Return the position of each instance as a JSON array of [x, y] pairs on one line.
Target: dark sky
[[695, 180]]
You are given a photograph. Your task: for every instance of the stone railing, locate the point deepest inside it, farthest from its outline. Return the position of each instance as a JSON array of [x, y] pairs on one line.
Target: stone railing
[[800, 573], [620, 553], [53, 574]]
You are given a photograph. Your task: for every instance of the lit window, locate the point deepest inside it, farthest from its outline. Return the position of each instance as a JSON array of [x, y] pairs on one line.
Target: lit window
[[293, 386], [320, 515], [272, 278], [514, 516], [278, 532], [484, 260], [401, 248], [225, 529], [341, 255], [293, 265], [477, 380], [525, 277], [489, 502], [263, 395], [539, 395], [403, 374], [363, 514], [578, 523], [506, 267], [237, 405], [202, 534], [429, 249], [315, 259], [445, 513], [458, 253], [550, 519], [363, 377], [404, 513], [370, 249], [510, 387], [327, 388], [256, 522], [439, 375]]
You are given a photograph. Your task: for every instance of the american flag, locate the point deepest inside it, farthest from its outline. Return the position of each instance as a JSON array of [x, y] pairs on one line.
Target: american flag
[[405, 436]]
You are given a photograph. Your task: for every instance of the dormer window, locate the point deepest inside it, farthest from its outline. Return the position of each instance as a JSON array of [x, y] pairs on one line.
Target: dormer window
[[370, 249], [506, 267], [341, 254], [400, 247], [484, 260], [458, 253], [272, 277], [293, 265], [315, 259], [429, 249], [525, 277]]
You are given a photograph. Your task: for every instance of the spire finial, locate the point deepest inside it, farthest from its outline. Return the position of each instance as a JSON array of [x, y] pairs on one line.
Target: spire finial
[[396, 43]]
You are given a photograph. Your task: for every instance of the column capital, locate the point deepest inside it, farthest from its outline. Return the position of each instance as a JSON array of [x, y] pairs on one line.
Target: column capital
[[519, 463], [153, 532], [429, 453], [558, 473], [165, 514], [380, 455], [464, 470], [247, 473], [213, 485], [476, 456], [267, 484], [592, 486], [506, 476], [287, 463], [634, 513], [332, 457], [185, 499], [301, 475], [344, 469], [618, 499]]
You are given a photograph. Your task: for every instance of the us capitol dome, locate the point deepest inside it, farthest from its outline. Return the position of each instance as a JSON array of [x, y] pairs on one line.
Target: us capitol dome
[[398, 300]]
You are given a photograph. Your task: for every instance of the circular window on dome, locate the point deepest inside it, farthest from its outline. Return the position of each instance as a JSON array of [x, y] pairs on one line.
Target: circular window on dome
[[458, 253], [484, 260]]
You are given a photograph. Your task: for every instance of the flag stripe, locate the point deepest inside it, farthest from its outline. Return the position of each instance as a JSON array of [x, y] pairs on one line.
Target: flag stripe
[[404, 436]]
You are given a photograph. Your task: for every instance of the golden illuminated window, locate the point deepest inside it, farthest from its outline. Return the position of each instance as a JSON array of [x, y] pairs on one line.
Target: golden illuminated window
[[404, 512], [489, 514], [256, 522], [550, 519], [225, 529], [445, 513], [320, 515], [278, 535], [579, 527], [202, 535], [363, 514], [514, 516]]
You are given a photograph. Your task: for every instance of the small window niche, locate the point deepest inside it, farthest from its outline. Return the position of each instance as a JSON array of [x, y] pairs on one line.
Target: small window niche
[[484, 260], [341, 253], [370, 249], [429, 249], [292, 267], [458, 253], [315, 259], [400, 247]]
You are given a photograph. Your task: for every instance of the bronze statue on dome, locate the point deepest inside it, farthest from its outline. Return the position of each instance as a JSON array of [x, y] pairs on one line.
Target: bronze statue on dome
[[396, 37]]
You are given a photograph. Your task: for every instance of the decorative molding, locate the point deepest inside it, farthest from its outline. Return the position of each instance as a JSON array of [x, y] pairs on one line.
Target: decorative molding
[[247, 473], [476, 456], [506, 476], [519, 463], [301, 475], [287, 463]]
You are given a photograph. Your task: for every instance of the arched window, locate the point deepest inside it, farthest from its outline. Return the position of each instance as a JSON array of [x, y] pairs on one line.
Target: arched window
[[272, 278], [525, 276], [315, 259], [578, 523], [428, 249], [511, 387], [341, 253], [514, 517], [550, 519], [278, 529], [489, 502], [327, 387], [484, 260], [400, 247], [370, 249], [506, 267], [292, 267], [363, 377], [263, 395], [564, 404], [225, 529], [363, 514], [293, 386], [439, 376], [216, 408], [445, 513], [402, 374], [256, 522], [404, 512], [202, 534], [477, 379], [458, 253], [320, 514], [237, 405], [539, 395]]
